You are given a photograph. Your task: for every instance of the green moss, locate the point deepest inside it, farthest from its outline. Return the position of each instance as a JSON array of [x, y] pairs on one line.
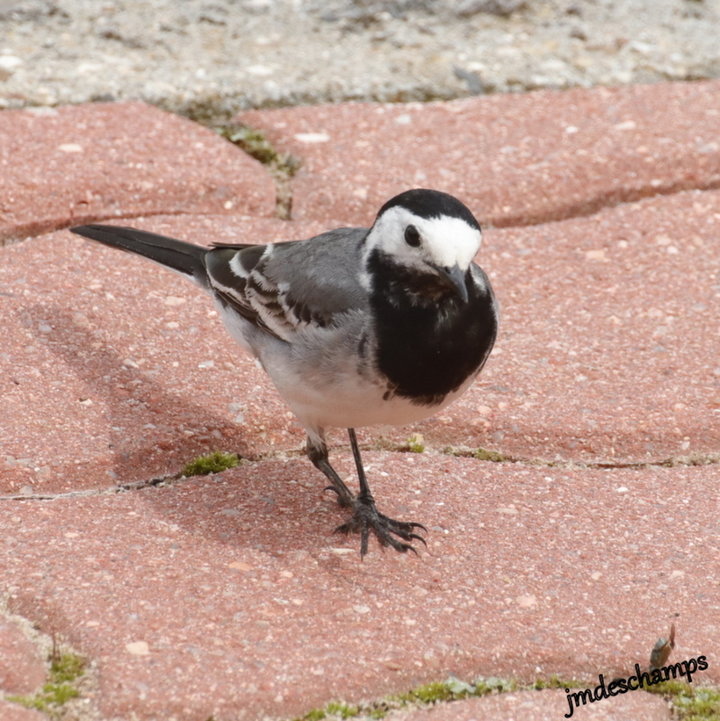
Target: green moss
[[416, 443], [66, 667], [556, 681], [255, 144], [57, 694], [65, 670], [252, 141], [492, 684], [211, 463], [703, 706], [669, 688], [454, 689], [334, 710], [690, 703], [484, 455], [428, 694], [343, 710], [317, 714]]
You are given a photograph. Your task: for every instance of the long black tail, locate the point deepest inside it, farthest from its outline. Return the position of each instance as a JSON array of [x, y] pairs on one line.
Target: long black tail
[[184, 257]]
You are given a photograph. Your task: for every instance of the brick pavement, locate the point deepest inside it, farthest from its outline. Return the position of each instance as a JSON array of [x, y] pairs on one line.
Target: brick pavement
[[229, 596]]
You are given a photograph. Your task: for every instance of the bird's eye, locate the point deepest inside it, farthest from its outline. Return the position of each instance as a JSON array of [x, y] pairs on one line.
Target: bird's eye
[[412, 236]]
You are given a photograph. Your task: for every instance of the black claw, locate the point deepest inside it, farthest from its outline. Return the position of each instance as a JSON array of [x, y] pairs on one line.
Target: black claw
[[364, 541], [388, 531], [418, 525], [415, 537], [402, 526], [399, 545]]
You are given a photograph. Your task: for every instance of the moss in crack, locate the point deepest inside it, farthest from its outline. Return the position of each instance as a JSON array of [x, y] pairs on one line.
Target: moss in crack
[[335, 710], [282, 166], [255, 144], [452, 689], [342, 710], [556, 681], [215, 462], [66, 670], [416, 443], [483, 454], [207, 109], [252, 141], [690, 703]]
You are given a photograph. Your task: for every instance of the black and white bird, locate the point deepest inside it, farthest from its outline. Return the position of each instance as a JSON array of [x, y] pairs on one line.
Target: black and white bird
[[356, 327]]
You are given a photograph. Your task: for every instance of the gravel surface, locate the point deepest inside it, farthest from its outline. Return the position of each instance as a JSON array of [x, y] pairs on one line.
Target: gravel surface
[[208, 58]]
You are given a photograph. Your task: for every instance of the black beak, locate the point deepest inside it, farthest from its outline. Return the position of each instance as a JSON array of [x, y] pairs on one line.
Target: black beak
[[456, 278]]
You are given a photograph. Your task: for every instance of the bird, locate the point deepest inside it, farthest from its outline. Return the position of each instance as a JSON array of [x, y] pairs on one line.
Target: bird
[[355, 326]]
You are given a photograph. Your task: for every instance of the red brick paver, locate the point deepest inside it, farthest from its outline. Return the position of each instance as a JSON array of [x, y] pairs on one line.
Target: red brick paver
[[118, 160], [117, 370], [624, 372], [541, 706], [22, 671], [229, 596], [13, 712], [515, 158]]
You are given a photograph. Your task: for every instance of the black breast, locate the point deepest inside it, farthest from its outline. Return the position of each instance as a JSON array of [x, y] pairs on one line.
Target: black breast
[[428, 344]]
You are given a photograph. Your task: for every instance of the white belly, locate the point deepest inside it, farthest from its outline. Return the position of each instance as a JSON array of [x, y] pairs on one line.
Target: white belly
[[351, 402], [321, 378]]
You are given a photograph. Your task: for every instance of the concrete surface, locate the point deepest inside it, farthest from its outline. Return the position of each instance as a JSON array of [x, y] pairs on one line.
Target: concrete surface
[[209, 58], [229, 596]]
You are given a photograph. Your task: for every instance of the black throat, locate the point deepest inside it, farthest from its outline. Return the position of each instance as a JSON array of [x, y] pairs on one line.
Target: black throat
[[429, 341]]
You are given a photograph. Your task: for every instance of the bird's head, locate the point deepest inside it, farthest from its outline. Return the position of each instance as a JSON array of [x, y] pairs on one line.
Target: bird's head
[[430, 238]]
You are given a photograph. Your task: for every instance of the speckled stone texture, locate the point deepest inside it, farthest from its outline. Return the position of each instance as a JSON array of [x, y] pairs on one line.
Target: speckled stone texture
[[75, 164], [541, 706], [229, 596], [516, 159], [607, 351], [22, 671], [118, 370], [13, 712], [620, 373]]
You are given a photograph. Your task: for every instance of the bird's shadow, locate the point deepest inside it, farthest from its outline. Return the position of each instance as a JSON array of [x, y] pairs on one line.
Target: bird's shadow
[[144, 445], [133, 400]]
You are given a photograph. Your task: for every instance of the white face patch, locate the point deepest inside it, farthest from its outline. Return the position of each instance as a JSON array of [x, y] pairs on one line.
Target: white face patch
[[451, 241], [446, 241]]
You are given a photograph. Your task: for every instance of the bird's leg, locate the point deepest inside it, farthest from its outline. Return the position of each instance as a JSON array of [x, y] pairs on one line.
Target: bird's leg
[[317, 452], [365, 496], [367, 518]]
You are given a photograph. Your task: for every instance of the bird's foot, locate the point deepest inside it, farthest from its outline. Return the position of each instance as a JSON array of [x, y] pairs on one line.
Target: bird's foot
[[388, 531]]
